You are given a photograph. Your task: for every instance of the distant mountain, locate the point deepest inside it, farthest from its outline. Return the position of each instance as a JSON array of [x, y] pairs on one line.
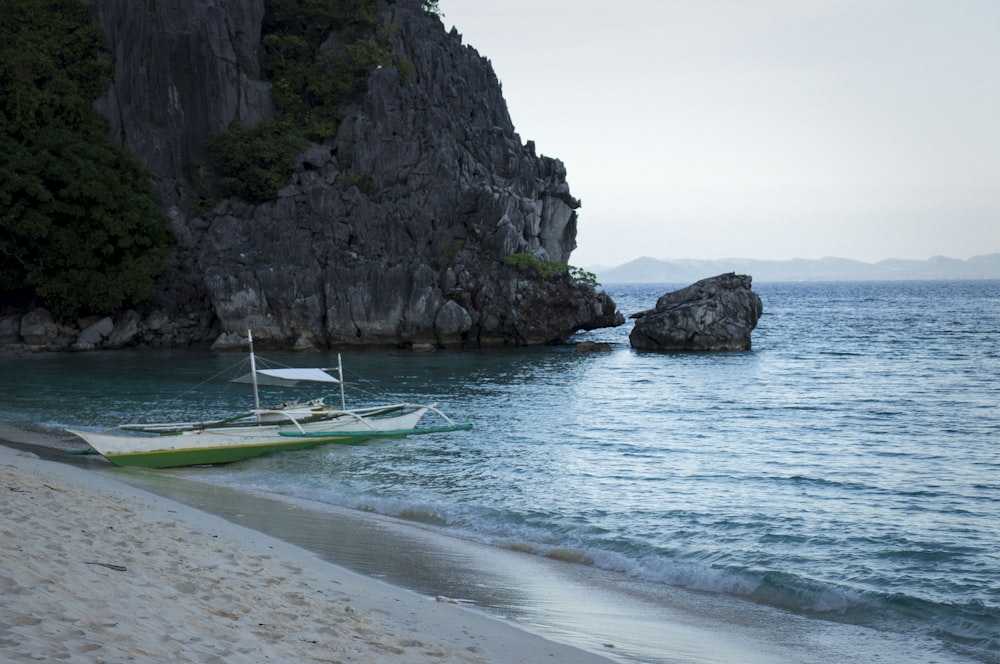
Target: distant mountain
[[651, 270]]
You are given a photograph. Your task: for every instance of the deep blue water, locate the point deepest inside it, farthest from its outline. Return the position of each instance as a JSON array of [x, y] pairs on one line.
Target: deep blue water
[[847, 469]]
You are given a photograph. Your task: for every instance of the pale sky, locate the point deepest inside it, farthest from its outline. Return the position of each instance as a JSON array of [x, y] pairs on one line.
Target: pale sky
[[770, 129]]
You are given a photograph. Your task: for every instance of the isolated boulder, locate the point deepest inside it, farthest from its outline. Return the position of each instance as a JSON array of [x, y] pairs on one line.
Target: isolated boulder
[[713, 314]]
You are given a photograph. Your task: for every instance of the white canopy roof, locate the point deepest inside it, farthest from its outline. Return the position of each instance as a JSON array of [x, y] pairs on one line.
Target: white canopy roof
[[287, 377]]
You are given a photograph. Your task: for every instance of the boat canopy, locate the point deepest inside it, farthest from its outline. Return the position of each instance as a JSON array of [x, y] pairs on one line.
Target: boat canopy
[[287, 377]]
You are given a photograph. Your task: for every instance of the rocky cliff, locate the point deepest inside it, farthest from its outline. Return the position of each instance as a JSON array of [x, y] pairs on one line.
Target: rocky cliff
[[392, 232]]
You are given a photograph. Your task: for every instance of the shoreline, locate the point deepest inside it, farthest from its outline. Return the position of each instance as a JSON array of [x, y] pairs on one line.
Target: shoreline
[[471, 602], [509, 595], [99, 568]]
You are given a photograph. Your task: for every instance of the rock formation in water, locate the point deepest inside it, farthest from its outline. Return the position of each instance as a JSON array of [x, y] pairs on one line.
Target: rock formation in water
[[718, 313], [393, 232]]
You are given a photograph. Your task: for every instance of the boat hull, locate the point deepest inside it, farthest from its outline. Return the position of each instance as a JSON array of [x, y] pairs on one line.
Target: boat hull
[[163, 447], [197, 448]]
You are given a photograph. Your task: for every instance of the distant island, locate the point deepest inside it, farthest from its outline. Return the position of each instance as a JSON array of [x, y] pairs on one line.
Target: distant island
[[652, 270]]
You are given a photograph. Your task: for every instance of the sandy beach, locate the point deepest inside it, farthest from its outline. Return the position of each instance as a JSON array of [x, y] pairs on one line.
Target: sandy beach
[[95, 570]]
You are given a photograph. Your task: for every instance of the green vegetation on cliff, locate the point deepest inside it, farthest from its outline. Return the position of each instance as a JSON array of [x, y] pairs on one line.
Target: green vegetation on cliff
[[549, 269], [79, 229], [318, 55], [253, 164]]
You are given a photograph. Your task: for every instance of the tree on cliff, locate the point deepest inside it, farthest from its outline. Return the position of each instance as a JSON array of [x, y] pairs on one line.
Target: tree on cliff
[[78, 225], [311, 82]]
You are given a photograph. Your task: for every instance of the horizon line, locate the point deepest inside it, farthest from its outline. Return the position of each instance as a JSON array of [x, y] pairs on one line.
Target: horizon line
[[790, 260]]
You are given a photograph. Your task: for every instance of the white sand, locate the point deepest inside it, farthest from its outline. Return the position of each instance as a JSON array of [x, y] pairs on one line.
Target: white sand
[[93, 570]]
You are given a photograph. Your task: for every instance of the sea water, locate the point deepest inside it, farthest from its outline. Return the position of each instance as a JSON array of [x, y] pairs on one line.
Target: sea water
[[843, 477]]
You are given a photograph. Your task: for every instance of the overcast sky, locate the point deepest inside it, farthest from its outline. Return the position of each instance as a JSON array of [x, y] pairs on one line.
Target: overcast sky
[[772, 129]]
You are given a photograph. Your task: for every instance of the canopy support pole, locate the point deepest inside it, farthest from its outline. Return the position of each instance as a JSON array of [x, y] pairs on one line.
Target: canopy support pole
[[340, 375], [253, 373]]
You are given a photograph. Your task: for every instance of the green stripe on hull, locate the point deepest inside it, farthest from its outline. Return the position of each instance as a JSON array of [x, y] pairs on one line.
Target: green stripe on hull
[[198, 457]]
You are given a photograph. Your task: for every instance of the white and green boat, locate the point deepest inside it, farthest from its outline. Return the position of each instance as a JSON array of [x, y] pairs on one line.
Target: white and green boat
[[290, 426]]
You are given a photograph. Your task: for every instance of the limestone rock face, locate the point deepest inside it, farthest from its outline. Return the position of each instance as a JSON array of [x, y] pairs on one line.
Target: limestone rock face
[[183, 70], [718, 313], [393, 232]]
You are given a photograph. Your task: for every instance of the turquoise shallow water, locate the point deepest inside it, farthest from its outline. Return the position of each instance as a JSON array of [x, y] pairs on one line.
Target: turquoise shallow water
[[845, 471]]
